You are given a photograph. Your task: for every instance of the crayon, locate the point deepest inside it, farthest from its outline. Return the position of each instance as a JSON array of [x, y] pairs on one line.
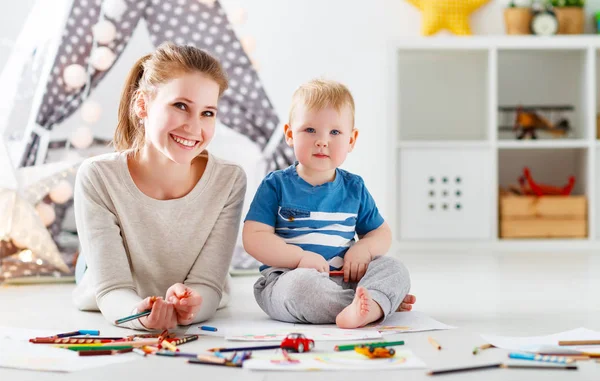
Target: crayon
[[208, 328]]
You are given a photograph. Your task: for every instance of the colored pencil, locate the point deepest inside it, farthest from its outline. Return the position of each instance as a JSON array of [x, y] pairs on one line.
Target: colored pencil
[[68, 340], [208, 328], [435, 344], [205, 362], [183, 340], [520, 366], [167, 345], [541, 358], [104, 352], [77, 333], [464, 369], [175, 354], [259, 348], [132, 317], [382, 344], [336, 273], [112, 345], [481, 348], [96, 348], [579, 342]]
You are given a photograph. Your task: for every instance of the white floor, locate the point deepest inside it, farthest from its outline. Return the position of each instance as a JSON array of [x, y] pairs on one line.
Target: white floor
[[480, 292]]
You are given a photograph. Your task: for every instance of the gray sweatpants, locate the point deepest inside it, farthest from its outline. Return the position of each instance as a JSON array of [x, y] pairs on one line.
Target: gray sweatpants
[[308, 296]]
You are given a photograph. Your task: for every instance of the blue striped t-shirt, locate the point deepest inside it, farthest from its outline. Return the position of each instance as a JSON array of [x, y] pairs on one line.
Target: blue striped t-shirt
[[323, 219]]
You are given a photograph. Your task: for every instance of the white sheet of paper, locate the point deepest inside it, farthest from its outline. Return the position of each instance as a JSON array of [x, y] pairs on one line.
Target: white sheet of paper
[[348, 360], [272, 330], [16, 352], [548, 343], [265, 329], [411, 321]]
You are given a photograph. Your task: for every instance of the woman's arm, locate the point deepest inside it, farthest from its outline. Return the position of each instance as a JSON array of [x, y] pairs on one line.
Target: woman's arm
[[100, 238]]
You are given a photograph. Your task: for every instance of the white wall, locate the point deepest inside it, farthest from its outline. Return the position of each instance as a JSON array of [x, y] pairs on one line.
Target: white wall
[[297, 40]]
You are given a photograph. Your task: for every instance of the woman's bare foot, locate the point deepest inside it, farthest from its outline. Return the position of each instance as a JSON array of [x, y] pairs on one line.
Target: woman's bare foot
[[407, 303], [362, 311]]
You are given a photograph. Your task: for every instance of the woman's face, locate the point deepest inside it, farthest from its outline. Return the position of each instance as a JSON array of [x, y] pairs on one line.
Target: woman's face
[[180, 119]]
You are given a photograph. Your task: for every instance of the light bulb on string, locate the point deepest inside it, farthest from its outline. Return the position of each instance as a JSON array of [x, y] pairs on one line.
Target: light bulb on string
[[75, 76]]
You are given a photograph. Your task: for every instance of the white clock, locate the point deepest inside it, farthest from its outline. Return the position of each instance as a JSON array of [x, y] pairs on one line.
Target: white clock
[[544, 23]]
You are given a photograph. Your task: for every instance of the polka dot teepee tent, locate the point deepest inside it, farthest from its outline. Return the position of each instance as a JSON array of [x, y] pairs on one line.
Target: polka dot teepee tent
[[244, 107], [96, 33]]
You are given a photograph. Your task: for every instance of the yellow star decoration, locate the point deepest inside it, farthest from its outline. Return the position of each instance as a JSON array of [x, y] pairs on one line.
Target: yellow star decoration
[[447, 14]]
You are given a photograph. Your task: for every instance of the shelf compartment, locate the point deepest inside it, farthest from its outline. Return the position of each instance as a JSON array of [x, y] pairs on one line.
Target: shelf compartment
[[548, 166], [545, 217], [444, 193], [543, 78], [443, 94]]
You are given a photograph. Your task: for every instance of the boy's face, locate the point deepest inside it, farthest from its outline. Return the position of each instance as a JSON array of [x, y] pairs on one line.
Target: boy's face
[[321, 138], [180, 119]]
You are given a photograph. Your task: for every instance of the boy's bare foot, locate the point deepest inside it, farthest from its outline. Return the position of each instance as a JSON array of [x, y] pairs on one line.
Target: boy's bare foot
[[407, 303], [362, 311]]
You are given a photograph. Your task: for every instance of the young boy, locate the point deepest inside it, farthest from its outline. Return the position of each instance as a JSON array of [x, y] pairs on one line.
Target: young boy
[[303, 221]]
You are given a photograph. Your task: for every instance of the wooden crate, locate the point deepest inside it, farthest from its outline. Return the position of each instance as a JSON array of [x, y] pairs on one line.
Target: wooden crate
[[543, 217]]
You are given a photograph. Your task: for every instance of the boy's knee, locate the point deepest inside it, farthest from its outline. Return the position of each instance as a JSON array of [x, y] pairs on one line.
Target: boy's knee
[[392, 266]]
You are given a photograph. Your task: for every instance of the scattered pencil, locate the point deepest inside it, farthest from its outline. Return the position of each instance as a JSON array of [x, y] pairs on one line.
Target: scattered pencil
[[541, 358], [545, 367], [175, 354], [205, 362], [78, 333], [169, 346], [464, 369], [132, 317], [481, 348], [105, 352], [382, 344], [435, 344], [258, 348], [68, 340], [183, 340], [579, 342]]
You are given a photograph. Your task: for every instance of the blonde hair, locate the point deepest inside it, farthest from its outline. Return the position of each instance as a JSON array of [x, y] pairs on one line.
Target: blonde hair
[[168, 61], [322, 93]]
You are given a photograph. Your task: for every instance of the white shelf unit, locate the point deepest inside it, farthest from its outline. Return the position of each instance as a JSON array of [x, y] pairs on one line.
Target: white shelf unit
[[444, 99]]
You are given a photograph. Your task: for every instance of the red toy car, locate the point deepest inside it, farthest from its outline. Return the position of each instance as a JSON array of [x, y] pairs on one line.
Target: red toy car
[[297, 342]]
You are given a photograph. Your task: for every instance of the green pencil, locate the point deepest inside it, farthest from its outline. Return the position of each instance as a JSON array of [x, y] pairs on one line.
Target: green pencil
[[99, 348], [382, 344]]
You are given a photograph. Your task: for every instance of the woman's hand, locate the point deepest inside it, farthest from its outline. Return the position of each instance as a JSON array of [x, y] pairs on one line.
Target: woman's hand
[[162, 316], [186, 302]]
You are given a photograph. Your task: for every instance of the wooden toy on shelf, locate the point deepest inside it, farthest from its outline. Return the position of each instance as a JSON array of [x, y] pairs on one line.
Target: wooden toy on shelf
[[528, 120]]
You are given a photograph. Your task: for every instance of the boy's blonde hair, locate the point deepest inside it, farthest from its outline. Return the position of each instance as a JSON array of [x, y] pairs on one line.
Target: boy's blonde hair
[[320, 93]]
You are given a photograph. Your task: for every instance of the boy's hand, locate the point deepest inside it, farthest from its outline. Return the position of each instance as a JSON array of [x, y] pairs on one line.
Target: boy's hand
[[356, 261], [315, 261], [186, 302], [162, 316]]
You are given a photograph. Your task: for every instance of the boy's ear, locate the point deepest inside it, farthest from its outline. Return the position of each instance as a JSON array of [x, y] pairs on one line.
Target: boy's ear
[[140, 104], [353, 137], [289, 139]]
